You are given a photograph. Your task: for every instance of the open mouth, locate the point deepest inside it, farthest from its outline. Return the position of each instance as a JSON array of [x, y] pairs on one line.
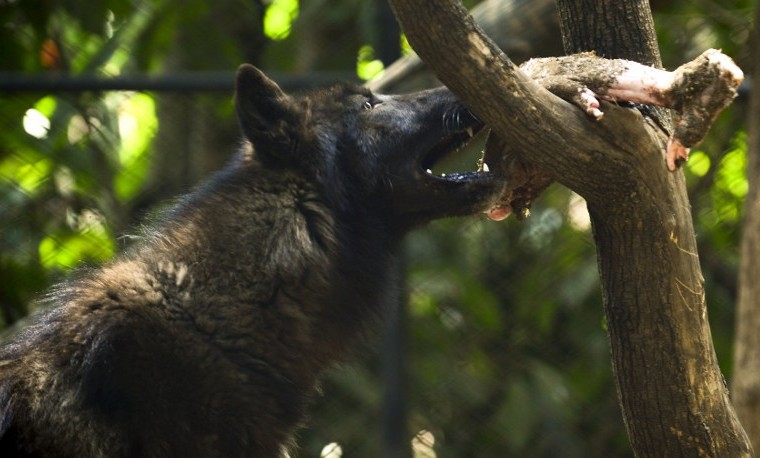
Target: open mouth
[[460, 150]]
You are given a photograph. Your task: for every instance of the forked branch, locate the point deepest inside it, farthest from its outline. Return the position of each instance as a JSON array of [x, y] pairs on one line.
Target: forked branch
[[698, 91]]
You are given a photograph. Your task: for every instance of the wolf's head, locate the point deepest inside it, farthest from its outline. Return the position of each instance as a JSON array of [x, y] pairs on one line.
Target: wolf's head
[[366, 150]]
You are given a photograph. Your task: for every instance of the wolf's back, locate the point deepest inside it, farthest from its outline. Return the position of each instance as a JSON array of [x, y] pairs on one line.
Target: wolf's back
[[124, 374]]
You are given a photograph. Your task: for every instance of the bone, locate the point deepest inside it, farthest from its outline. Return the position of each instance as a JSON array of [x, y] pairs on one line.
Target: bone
[[698, 91]]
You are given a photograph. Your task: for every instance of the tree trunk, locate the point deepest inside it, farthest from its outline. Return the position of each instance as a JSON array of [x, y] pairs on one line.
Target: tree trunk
[[662, 351], [745, 382], [591, 25], [615, 30], [672, 393]]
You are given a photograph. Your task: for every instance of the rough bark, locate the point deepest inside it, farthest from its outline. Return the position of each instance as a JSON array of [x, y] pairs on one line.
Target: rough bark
[[662, 351], [745, 383], [672, 393], [635, 41]]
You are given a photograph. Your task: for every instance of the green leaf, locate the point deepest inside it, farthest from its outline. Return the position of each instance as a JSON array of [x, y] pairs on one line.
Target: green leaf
[[66, 251], [138, 125], [279, 17], [367, 67], [27, 169], [699, 163]]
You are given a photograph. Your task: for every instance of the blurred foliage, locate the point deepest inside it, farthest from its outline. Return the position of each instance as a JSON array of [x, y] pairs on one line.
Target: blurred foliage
[[507, 353], [279, 18]]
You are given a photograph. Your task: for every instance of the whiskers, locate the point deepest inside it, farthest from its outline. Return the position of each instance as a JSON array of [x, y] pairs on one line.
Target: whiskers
[[457, 117]]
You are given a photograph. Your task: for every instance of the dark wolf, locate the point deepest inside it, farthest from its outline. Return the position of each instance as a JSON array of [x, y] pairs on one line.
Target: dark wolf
[[208, 337]]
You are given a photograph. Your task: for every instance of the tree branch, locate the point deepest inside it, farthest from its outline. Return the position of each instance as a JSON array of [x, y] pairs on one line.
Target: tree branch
[[672, 393], [560, 139]]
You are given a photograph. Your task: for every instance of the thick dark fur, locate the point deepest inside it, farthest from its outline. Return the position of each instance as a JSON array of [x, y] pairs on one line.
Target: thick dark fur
[[208, 337]]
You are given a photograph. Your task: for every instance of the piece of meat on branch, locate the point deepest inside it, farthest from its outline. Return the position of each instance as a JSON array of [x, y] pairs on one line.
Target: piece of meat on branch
[[698, 91]]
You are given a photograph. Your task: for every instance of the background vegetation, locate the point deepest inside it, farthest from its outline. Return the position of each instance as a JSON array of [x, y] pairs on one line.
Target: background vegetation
[[506, 350]]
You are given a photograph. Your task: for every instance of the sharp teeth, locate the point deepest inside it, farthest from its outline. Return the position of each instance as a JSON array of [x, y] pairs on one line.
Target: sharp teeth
[[469, 131], [429, 171], [485, 167], [443, 175]]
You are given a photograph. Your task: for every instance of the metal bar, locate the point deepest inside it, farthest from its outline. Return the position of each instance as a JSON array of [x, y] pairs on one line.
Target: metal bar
[[394, 428], [174, 82]]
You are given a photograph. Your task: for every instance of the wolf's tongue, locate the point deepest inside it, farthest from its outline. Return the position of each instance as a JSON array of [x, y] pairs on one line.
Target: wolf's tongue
[[499, 213]]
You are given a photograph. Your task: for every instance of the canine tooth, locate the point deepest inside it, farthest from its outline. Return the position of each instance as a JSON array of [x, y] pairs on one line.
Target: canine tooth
[[443, 175], [469, 131], [429, 171], [485, 167]]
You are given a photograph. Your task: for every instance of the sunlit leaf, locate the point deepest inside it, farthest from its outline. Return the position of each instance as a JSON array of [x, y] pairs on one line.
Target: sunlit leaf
[[46, 106], [699, 163], [138, 125], [367, 67], [278, 18], [731, 181], [36, 124], [406, 48], [65, 251], [732, 175], [26, 169]]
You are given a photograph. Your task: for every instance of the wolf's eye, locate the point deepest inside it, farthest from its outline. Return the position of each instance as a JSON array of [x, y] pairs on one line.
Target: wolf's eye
[[370, 104]]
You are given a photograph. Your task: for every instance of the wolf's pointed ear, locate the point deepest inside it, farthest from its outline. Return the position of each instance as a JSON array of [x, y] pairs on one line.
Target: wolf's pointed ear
[[263, 109]]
